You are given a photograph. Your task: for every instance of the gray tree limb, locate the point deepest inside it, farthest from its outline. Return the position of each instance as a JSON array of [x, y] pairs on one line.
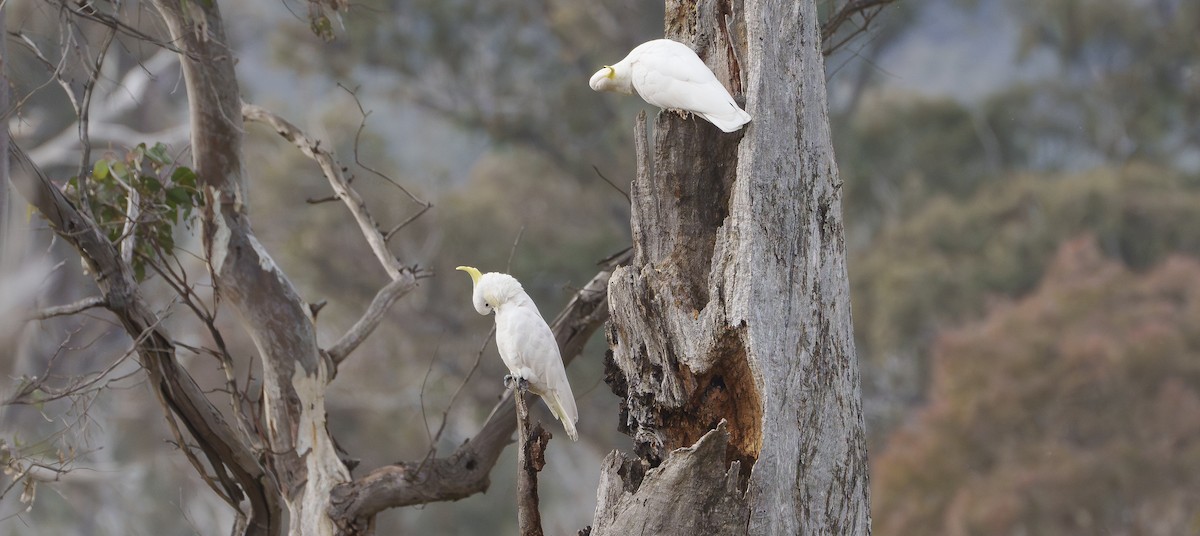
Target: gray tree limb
[[68, 309], [238, 469], [300, 453], [736, 306], [531, 449], [404, 278], [465, 471]]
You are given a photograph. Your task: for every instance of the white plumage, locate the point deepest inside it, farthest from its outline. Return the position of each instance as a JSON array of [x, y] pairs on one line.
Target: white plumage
[[526, 343], [668, 74]]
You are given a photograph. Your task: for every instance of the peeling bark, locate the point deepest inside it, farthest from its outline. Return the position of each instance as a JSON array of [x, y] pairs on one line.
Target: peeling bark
[[531, 457], [694, 492], [736, 305], [237, 469], [353, 505], [300, 450]]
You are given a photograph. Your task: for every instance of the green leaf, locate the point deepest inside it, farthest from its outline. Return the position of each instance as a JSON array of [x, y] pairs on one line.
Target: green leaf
[[183, 176], [137, 154], [158, 154], [179, 196], [119, 169], [100, 170], [151, 184]]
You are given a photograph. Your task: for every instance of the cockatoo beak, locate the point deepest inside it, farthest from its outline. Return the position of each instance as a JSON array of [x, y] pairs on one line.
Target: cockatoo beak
[[474, 273]]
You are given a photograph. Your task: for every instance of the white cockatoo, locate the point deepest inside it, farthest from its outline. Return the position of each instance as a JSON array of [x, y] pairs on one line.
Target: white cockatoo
[[668, 74], [526, 343]]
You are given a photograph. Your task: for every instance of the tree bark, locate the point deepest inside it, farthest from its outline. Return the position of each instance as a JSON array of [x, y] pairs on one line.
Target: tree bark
[[531, 450], [465, 471], [300, 451], [293, 465], [736, 306], [4, 160]]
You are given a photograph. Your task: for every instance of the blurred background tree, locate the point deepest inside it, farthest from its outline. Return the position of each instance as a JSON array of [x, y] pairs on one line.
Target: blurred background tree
[[975, 138]]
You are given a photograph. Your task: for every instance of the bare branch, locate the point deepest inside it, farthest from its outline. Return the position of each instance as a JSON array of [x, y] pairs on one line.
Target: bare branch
[[531, 449], [869, 9], [387, 237], [370, 319], [362, 124], [404, 278], [311, 148], [85, 106], [180, 393], [610, 183], [69, 309], [465, 471], [513, 251], [434, 438], [37, 391]]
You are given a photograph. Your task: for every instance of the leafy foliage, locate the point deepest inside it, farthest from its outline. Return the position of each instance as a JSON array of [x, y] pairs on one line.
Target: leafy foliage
[[166, 196], [943, 264], [1073, 411]]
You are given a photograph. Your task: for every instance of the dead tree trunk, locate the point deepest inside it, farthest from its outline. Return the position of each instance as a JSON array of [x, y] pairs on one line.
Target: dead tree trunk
[[276, 454], [736, 307], [531, 457]]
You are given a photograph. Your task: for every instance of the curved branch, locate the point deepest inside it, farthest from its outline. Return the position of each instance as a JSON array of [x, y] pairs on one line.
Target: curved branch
[[180, 393], [465, 471], [311, 147], [404, 278], [869, 9], [370, 319], [69, 309]]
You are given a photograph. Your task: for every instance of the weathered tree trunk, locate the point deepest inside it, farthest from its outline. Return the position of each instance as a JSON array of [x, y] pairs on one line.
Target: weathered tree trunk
[[4, 104], [299, 450], [531, 457], [736, 306]]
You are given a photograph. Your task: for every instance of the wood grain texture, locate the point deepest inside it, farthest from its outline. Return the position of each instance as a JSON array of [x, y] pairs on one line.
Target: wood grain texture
[[301, 454], [531, 457], [737, 306], [693, 492]]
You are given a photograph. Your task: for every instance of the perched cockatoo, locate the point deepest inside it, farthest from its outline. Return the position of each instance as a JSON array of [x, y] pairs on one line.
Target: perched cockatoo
[[668, 74], [526, 343]]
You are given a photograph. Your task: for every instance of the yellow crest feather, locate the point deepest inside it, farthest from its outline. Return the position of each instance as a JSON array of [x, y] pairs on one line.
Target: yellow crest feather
[[475, 275]]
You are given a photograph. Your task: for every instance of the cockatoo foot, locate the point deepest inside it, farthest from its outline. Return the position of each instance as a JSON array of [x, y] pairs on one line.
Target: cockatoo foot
[[521, 383]]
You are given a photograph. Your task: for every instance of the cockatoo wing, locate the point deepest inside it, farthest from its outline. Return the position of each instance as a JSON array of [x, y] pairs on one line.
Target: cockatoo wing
[[528, 348], [670, 75]]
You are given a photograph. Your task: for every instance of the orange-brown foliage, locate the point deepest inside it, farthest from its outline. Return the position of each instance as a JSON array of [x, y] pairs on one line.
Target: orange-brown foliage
[[1073, 411]]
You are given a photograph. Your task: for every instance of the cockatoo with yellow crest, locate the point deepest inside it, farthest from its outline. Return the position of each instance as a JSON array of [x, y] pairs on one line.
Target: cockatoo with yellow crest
[[526, 343], [668, 74]]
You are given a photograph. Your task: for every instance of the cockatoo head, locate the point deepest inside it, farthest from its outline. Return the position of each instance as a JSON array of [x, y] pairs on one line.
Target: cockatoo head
[[612, 78], [492, 289]]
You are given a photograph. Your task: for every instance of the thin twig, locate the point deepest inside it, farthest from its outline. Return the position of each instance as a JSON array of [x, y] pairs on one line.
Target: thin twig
[[69, 309], [421, 393], [362, 124], [435, 438], [387, 237], [869, 9], [311, 147], [370, 320], [513, 250], [85, 106], [610, 183]]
